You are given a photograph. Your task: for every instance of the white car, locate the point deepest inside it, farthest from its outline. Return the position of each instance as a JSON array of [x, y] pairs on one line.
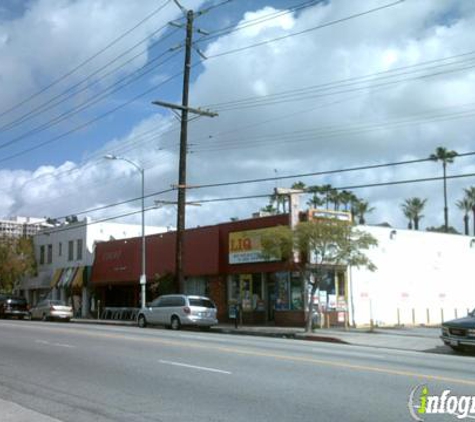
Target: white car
[[179, 310], [49, 309]]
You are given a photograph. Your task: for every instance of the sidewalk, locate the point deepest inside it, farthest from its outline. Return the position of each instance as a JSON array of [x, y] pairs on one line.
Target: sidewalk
[[405, 338]]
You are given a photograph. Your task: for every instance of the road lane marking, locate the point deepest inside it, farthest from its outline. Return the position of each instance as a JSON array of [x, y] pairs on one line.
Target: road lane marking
[[55, 344], [201, 368], [342, 365]]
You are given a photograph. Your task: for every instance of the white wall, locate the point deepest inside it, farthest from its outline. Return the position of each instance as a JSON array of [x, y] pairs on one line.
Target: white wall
[[428, 274]]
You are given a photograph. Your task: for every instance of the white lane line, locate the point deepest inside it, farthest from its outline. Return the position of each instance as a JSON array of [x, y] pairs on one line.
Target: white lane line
[[69, 346], [201, 368]]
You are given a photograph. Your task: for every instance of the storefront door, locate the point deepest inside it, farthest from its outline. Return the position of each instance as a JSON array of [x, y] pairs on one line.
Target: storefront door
[[270, 301]]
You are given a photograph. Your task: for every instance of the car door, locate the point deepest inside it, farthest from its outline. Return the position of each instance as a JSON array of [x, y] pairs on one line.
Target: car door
[[152, 314]]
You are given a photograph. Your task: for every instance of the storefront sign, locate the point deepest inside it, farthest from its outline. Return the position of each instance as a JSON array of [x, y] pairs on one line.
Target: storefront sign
[[246, 247]]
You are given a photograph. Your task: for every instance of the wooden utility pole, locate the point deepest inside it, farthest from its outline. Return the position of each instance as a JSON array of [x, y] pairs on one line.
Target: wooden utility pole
[[185, 109]]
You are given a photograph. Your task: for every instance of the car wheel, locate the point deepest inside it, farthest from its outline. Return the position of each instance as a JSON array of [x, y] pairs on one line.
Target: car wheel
[[142, 322], [175, 323]]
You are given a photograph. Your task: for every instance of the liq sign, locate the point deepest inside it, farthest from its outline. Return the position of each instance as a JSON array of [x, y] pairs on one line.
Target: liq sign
[[246, 247]]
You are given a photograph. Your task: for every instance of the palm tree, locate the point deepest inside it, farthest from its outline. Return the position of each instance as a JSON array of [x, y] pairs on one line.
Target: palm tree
[[466, 206], [326, 191], [447, 157], [335, 198], [298, 185], [361, 208], [346, 198], [412, 209], [315, 201], [470, 195]]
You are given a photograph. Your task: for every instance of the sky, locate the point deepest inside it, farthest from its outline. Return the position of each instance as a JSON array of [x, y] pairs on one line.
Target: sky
[[299, 87]]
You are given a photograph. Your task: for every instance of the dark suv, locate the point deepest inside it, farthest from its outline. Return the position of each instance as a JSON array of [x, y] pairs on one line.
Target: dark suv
[[459, 333], [13, 306]]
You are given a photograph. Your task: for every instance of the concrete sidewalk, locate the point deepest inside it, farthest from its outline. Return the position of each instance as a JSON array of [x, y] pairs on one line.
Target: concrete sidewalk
[[405, 338]]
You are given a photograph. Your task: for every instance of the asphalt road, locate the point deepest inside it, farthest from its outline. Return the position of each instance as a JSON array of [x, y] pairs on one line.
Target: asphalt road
[[73, 372]]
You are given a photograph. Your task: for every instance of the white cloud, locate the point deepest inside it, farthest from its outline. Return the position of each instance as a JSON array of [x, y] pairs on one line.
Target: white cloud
[[405, 35]]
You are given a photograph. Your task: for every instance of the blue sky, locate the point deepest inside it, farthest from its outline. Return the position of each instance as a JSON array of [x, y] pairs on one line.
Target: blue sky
[[341, 84]]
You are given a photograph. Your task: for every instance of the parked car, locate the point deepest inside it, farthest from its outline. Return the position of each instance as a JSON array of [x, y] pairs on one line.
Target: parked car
[[176, 311], [49, 309], [459, 333], [13, 306]]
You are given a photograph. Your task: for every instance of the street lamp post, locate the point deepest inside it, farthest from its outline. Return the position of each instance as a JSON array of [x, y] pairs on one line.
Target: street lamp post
[[143, 276]]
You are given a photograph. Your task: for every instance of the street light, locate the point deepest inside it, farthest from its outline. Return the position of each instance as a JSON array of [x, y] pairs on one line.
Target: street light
[[143, 276]]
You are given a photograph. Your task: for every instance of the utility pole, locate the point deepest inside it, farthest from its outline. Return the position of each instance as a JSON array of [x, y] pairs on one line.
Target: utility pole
[[185, 109]]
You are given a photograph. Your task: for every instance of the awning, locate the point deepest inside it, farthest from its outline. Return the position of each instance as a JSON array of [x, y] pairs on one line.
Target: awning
[[56, 277], [78, 279], [66, 278]]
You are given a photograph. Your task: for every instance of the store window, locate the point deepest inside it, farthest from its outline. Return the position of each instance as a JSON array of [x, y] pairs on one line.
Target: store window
[[282, 287], [196, 286], [296, 292], [247, 290]]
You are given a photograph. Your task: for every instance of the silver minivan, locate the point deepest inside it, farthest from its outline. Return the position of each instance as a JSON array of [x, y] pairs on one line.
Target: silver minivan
[[179, 310]]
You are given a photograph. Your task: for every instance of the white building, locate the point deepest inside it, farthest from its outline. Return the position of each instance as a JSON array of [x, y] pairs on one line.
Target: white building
[[65, 255], [21, 226], [422, 278]]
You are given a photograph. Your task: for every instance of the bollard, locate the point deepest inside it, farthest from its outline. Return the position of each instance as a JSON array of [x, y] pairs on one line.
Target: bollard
[[413, 316], [441, 314], [456, 313], [398, 317], [428, 316]]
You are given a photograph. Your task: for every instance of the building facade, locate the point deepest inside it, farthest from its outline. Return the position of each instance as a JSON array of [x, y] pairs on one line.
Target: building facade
[[21, 226], [421, 277], [65, 255]]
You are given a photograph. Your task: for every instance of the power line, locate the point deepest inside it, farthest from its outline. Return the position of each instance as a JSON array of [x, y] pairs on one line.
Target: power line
[[260, 196], [117, 86], [52, 103], [89, 122], [334, 22], [88, 60]]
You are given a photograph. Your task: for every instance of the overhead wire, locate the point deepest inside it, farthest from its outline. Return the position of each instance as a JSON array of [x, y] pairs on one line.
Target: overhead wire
[[88, 60]]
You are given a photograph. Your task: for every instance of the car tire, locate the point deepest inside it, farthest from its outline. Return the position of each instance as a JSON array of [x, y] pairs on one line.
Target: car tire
[[141, 321], [175, 323]]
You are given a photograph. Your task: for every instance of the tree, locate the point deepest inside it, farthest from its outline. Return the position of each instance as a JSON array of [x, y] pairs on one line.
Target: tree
[[442, 229], [446, 157], [470, 195], [270, 209], [360, 209], [17, 260], [298, 185], [320, 244], [466, 206], [412, 209], [315, 201]]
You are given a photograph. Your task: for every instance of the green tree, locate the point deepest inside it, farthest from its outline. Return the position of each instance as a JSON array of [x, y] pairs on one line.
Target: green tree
[[446, 157], [315, 201], [298, 185], [17, 260], [360, 209], [412, 209], [319, 244], [470, 195], [466, 206], [443, 229]]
